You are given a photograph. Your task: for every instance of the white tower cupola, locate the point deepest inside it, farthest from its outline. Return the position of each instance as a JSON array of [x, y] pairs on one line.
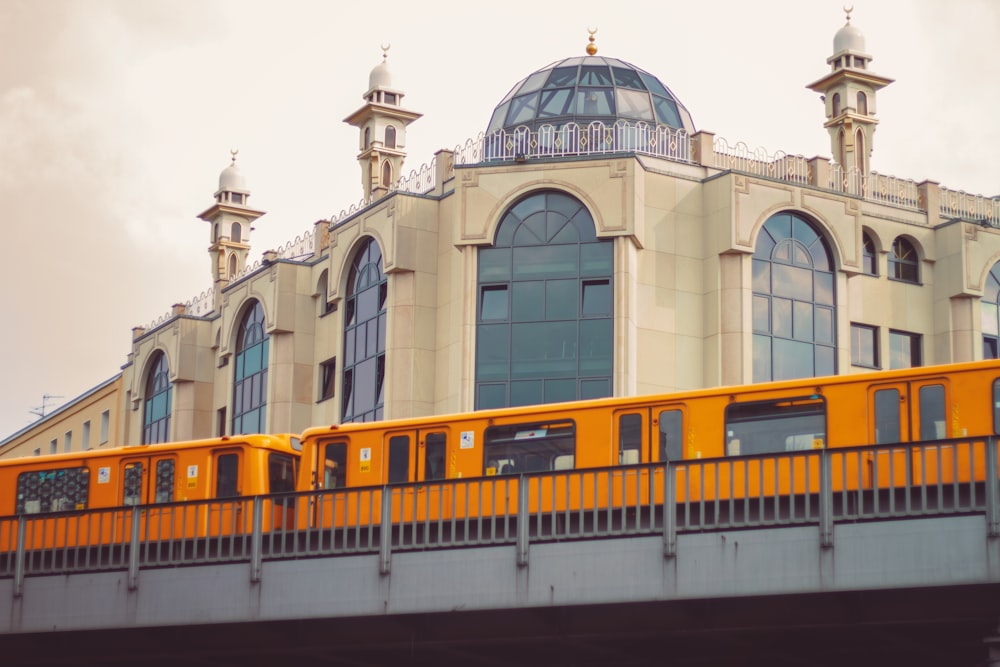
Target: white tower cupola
[[231, 219], [382, 123], [849, 95]]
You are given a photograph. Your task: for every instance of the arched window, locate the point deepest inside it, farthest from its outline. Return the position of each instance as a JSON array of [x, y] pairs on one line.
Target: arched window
[[368, 137], [794, 312], [862, 103], [836, 104], [156, 405], [544, 317], [390, 136], [236, 236], [990, 306], [250, 374], [903, 264], [323, 293], [364, 337], [386, 174], [842, 150], [859, 150], [232, 266], [869, 256]]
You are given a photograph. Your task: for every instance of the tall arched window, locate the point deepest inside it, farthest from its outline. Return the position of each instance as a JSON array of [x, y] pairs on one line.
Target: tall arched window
[[232, 266], [836, 104], [156, 405], [794, 313], [390, 136], [544, 316], [250, 374], [386, 174], [869, 257], [990, 306], [368, 137], [903, 263], [364, 337], [862, 103], [859, 150], [236, 235]]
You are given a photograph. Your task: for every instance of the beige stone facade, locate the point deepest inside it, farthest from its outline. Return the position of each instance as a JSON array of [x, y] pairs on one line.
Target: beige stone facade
[[685, 222]]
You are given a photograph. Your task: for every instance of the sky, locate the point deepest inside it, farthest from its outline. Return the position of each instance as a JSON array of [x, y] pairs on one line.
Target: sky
[[117, 116]]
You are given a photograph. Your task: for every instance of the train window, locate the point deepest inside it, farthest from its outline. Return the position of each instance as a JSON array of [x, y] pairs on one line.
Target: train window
[[775, 426], [165, 481], [932, 423], [434, 455], [227, 476], [516, 448], [52, 490], [887, 416], [335, 467], [399, 459], [629, 438], [671, 435], [132, 481], [281, 469]]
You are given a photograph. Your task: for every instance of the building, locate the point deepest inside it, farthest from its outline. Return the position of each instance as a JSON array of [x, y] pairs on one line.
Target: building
[[592, 242]]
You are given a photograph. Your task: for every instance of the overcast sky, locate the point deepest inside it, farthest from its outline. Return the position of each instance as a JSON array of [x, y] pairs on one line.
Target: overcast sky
[[116, 117]]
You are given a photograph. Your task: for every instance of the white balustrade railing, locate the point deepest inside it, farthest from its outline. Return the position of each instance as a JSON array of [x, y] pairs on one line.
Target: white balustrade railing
[[960, 204], [791, 168]]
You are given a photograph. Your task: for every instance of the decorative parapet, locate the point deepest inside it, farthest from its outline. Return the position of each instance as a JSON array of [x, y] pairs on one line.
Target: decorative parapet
[[876, 187], [976, 208], [569, 140], [784, 167]]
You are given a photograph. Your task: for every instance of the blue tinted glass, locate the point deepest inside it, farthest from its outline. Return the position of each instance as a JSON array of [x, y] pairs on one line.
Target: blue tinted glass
[[596, 298], [494, 303], [628, 78], [492, 350], [666, 111], [596, 347], [802, 321], [556, 102], [492, 396], [562, 76], [528, 304], [531, 263], [556, 391], [761, 313], [654, 84], [522, 109], [595, 75], [792, 359], [761, 358], [526, 392], [561, 299], [494, 264], [633, 104], [599, 388], [595, 102]]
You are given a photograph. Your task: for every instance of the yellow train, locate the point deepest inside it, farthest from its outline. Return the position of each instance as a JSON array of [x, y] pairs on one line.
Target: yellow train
[[726, 442]]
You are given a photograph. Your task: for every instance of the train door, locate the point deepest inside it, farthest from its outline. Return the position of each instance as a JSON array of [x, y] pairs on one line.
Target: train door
[[901, 412], [225, 518], [400, 463], [148, 481], [629, 432]]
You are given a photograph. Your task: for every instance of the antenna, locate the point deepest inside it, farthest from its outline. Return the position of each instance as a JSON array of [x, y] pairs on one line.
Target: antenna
[[46, 403]]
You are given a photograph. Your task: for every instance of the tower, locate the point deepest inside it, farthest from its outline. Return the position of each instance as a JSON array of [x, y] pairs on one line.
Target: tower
[[849, 93], [231, 220], [382, 123]]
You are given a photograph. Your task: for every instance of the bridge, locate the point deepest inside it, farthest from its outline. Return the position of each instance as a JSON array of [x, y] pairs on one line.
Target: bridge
[[867, 555]]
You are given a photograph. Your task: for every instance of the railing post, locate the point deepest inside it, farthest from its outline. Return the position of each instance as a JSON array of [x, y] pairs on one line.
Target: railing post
[[133, 550], [523, 521], [22, 530], [825, 500], [992, 495], [257, 540], [669, 511], [385, 534]]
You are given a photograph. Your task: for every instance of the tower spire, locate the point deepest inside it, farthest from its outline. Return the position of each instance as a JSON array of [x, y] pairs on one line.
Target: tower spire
[[848, 92], [381, 123]]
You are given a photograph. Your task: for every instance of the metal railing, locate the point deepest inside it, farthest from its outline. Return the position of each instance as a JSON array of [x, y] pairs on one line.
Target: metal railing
[[818, 487]]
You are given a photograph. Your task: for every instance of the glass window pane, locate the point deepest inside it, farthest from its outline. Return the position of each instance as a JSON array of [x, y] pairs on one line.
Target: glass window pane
[[793, 282], [596, 349], [634, 104], [399, 459], [596, 258], [561, 299], [528, 304], [555, 102], [781, 317], [824, 288], [761, 276], [802, 320], [594, 102], [990, 318], [824, 325], [825, 361], [596, 298], [491, 396], [595, 388], [792, 359], [761, 314], [535, 262], [666, 111], [671, 435], [556, 391], [525, 392], [494, 264], [887, 418], [932, 412], [543, 349], [493, 303], [761, 358]]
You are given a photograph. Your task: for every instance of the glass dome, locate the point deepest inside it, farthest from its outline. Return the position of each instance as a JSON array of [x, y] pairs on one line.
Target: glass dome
[[585, 89]]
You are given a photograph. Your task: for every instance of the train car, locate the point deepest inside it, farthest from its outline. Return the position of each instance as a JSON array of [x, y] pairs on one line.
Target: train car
[[174, 483], [735, 427]]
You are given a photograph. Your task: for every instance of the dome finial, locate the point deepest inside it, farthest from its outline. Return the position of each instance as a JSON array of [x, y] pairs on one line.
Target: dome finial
[[385, 51], [592, 48], [847, 10], [233, 152]]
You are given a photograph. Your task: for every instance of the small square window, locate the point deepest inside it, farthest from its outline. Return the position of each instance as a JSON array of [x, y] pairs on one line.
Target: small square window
[[864, 346], [328, 379], [904, 349]]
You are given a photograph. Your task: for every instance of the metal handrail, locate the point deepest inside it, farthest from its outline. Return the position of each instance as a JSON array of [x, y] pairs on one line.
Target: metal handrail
[[812, 487]]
